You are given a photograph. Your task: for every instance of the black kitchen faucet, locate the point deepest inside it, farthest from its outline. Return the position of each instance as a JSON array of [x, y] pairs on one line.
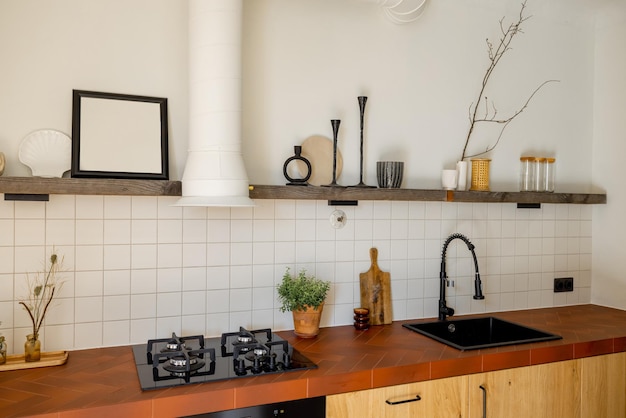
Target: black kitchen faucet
[[444, 310]]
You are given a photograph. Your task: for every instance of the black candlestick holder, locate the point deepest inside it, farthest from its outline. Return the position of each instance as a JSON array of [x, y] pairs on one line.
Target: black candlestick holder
[[362, 102], [335, 124]]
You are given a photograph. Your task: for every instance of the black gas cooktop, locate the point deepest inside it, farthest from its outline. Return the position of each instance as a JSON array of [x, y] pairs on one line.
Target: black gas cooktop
[[179, 361]]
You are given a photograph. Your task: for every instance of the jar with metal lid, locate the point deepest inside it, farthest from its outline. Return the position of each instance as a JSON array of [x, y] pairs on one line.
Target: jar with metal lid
[[549, 174], [527, 172], [539, 180]]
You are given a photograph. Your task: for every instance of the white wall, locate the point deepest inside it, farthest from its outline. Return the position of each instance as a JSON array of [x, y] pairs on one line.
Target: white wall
[[609, 147], [49, 48], [307, 61], [137, 268]]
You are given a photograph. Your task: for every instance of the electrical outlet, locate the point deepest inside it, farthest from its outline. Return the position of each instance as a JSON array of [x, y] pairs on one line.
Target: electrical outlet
[[563, 284]]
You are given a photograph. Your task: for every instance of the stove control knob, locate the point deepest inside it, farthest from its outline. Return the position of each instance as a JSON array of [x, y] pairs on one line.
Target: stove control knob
[[272, 365], [240, 367], [256, 367]]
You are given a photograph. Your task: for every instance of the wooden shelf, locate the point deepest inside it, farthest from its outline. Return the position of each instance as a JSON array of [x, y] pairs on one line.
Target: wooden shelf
[[343, 193], [42, 185], [123, 187], [353, 193], [529, 197]]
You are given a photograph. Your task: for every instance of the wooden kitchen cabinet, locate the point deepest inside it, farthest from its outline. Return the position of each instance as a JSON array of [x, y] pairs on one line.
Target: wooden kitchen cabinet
[[592, 387], [547, 390], [440, 398], [603, 386]]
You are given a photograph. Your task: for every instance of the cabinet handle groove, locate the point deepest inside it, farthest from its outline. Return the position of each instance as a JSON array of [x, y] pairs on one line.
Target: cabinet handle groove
[[484, 400], [417, 398]]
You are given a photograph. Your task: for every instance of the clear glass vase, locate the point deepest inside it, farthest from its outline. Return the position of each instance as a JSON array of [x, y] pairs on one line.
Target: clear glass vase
[[32, 348]]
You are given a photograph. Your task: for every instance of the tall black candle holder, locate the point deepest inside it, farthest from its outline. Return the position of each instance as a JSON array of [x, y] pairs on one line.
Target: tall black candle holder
[[335, 124], [362, 102]]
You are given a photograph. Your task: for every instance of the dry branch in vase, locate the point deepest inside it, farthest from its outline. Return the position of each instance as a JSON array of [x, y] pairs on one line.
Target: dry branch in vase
[[41, 293], [490, 112]]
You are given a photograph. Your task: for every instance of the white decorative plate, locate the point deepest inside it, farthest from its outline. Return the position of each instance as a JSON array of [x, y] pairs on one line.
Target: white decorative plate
[[47, 152]]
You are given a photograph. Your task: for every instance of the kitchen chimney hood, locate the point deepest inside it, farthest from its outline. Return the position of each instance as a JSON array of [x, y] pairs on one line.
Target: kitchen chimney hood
[[215, 174]]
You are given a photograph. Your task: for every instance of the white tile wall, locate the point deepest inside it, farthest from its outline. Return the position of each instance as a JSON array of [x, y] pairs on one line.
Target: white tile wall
[[137, 268]]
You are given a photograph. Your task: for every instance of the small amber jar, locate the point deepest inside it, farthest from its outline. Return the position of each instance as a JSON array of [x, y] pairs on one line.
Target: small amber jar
[[361, 318]]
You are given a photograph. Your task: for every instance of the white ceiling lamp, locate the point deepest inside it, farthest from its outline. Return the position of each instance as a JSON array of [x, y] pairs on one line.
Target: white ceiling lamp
[[215, 174], [401, 11]]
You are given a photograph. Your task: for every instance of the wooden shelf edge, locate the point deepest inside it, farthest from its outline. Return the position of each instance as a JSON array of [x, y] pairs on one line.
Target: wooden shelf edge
[[127, 187], [343, 193], [81, 186], [529, 197], [353, 193]]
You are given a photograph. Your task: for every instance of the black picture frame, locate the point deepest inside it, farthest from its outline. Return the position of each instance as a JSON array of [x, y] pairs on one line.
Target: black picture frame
[[119, 136]]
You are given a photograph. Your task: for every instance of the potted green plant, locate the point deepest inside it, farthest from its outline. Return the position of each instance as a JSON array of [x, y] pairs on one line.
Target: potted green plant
[[304, 295]]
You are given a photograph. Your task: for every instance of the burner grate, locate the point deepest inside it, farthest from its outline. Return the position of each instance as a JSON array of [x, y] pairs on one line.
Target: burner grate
[[179, 361]]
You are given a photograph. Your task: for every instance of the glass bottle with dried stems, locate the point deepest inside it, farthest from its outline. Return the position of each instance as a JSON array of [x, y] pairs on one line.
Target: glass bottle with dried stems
[[3, 350], [41, 293]]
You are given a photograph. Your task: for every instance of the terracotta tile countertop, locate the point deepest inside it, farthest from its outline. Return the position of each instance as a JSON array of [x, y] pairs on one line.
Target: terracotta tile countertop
[[103, 382]]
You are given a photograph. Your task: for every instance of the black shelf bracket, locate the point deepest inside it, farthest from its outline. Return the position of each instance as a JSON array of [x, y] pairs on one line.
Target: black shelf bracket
[[343, 203], [27, 197], [529, 205]]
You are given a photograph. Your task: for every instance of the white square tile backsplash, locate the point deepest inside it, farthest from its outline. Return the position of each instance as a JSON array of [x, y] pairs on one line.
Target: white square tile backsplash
[[30, 232], [137, 267]]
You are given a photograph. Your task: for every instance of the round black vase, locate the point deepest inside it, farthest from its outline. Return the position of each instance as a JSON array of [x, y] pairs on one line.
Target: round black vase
[[297, 149]]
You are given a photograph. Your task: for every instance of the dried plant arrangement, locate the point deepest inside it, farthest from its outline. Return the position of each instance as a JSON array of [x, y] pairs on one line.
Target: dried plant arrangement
[[41, 293], [489, 114]]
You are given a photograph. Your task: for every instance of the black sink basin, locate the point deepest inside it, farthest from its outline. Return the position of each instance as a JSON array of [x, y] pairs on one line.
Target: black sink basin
[[476, 333]]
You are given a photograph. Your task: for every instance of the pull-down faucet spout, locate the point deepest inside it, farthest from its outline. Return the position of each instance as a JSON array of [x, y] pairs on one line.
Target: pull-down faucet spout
[[444, 310]]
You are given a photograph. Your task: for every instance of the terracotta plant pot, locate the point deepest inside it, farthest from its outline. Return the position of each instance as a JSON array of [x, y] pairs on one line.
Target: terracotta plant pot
[[307, 322]]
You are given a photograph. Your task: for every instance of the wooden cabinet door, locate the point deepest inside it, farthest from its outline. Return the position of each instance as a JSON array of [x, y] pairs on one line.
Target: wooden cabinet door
[[604, 386], [440, 398], [549, 390]]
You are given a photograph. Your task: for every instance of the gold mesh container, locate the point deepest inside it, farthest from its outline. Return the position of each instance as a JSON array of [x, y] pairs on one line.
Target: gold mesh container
[[480, 174]]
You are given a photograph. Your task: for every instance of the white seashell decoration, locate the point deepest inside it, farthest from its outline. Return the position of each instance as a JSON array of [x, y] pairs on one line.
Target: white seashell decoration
[[47, 152], [2, 163]]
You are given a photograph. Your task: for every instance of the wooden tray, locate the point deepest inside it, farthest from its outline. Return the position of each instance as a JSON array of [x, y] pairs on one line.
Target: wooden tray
[[52, 358]]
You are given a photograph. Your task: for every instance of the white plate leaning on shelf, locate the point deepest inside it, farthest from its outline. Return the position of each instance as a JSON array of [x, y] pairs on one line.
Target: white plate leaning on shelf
[[47, 152]]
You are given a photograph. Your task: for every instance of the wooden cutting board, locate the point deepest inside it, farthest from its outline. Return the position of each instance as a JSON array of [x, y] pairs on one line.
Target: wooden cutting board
[[319, 151], [376, 292]]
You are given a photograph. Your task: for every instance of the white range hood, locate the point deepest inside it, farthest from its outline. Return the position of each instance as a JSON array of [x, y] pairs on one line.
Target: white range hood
[[215, 174]]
